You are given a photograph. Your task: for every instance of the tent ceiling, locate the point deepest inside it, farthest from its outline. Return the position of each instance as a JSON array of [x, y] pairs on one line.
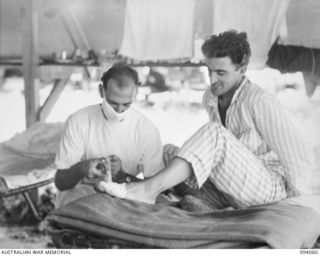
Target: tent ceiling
[[303, 21], [101, 23]]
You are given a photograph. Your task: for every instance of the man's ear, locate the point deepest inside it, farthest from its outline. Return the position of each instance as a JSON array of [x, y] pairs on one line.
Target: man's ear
[[101, 91], [243, 69]]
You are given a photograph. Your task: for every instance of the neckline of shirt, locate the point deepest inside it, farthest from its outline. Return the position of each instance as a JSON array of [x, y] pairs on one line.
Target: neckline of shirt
[[213, 100]]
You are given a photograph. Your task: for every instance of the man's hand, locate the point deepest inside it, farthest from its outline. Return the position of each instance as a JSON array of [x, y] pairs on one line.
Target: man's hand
[[115, 164], [92, 168], [88, 171], [118, 174]]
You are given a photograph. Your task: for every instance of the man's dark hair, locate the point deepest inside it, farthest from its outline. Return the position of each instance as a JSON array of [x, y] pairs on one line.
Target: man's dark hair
[[228, 44], [119, 70]]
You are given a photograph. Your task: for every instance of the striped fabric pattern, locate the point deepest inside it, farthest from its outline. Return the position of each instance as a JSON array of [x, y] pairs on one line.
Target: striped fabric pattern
[[258, 158]]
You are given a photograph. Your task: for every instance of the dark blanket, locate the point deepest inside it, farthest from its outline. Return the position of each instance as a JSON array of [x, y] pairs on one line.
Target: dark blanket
[[276, 225]]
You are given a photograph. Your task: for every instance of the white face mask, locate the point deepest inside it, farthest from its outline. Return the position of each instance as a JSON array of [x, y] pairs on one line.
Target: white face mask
[[111, 114]]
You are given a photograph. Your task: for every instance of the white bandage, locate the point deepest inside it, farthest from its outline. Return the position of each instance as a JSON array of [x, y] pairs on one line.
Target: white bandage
[[113, 189], [107, 167]]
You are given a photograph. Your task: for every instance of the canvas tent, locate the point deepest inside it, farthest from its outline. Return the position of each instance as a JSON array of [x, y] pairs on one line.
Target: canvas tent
[[40, 35]]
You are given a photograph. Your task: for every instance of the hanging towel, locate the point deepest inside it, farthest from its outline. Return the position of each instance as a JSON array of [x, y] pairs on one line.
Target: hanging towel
[[158, 30], [262, 20]]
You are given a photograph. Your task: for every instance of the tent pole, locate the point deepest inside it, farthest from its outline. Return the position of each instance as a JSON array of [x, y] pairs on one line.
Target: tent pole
[[30, 59], [53, 97], [30, 67]]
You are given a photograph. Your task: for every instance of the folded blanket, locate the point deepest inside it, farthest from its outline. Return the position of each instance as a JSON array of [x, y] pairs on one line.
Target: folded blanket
[[276, 225]]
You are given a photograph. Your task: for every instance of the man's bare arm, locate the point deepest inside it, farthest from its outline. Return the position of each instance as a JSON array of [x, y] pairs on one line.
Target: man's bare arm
[[68, 178]]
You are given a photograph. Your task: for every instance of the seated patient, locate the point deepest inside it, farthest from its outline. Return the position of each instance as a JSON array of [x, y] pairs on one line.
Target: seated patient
[[250, 152], [110, 132]]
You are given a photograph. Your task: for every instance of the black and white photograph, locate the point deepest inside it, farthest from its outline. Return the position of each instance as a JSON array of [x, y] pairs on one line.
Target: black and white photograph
[[159, 124]]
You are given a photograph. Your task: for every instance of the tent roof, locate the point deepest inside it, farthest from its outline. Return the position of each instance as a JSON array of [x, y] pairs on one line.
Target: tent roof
[[101, 23], [66, 25]]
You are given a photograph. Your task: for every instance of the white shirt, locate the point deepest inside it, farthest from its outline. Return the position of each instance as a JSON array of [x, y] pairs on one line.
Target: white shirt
[[89, 135]]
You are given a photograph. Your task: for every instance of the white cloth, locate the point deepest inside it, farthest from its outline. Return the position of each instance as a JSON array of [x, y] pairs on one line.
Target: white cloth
[[262, 20], [135, 140], [158, 29], [41, 140], [110, 113], [27, 158]]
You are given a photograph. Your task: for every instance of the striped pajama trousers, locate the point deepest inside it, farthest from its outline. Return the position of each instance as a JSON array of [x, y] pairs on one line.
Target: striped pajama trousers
[[226, 172]]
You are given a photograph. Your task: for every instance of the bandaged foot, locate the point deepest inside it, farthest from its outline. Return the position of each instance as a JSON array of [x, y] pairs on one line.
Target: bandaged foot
[[112, 188], [132, 191]]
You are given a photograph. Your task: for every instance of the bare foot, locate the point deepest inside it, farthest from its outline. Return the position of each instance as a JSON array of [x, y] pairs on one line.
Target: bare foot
[[138, 191]]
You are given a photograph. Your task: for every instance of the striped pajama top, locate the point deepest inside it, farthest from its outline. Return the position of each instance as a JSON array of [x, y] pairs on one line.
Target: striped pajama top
[[257, 119]]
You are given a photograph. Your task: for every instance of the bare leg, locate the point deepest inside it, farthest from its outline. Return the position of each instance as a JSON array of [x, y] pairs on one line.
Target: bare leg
[[146, 191]]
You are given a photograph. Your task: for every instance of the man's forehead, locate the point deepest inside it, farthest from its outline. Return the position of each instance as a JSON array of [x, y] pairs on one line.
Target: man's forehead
[[217, 63], [121, 81], [123, 87]]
